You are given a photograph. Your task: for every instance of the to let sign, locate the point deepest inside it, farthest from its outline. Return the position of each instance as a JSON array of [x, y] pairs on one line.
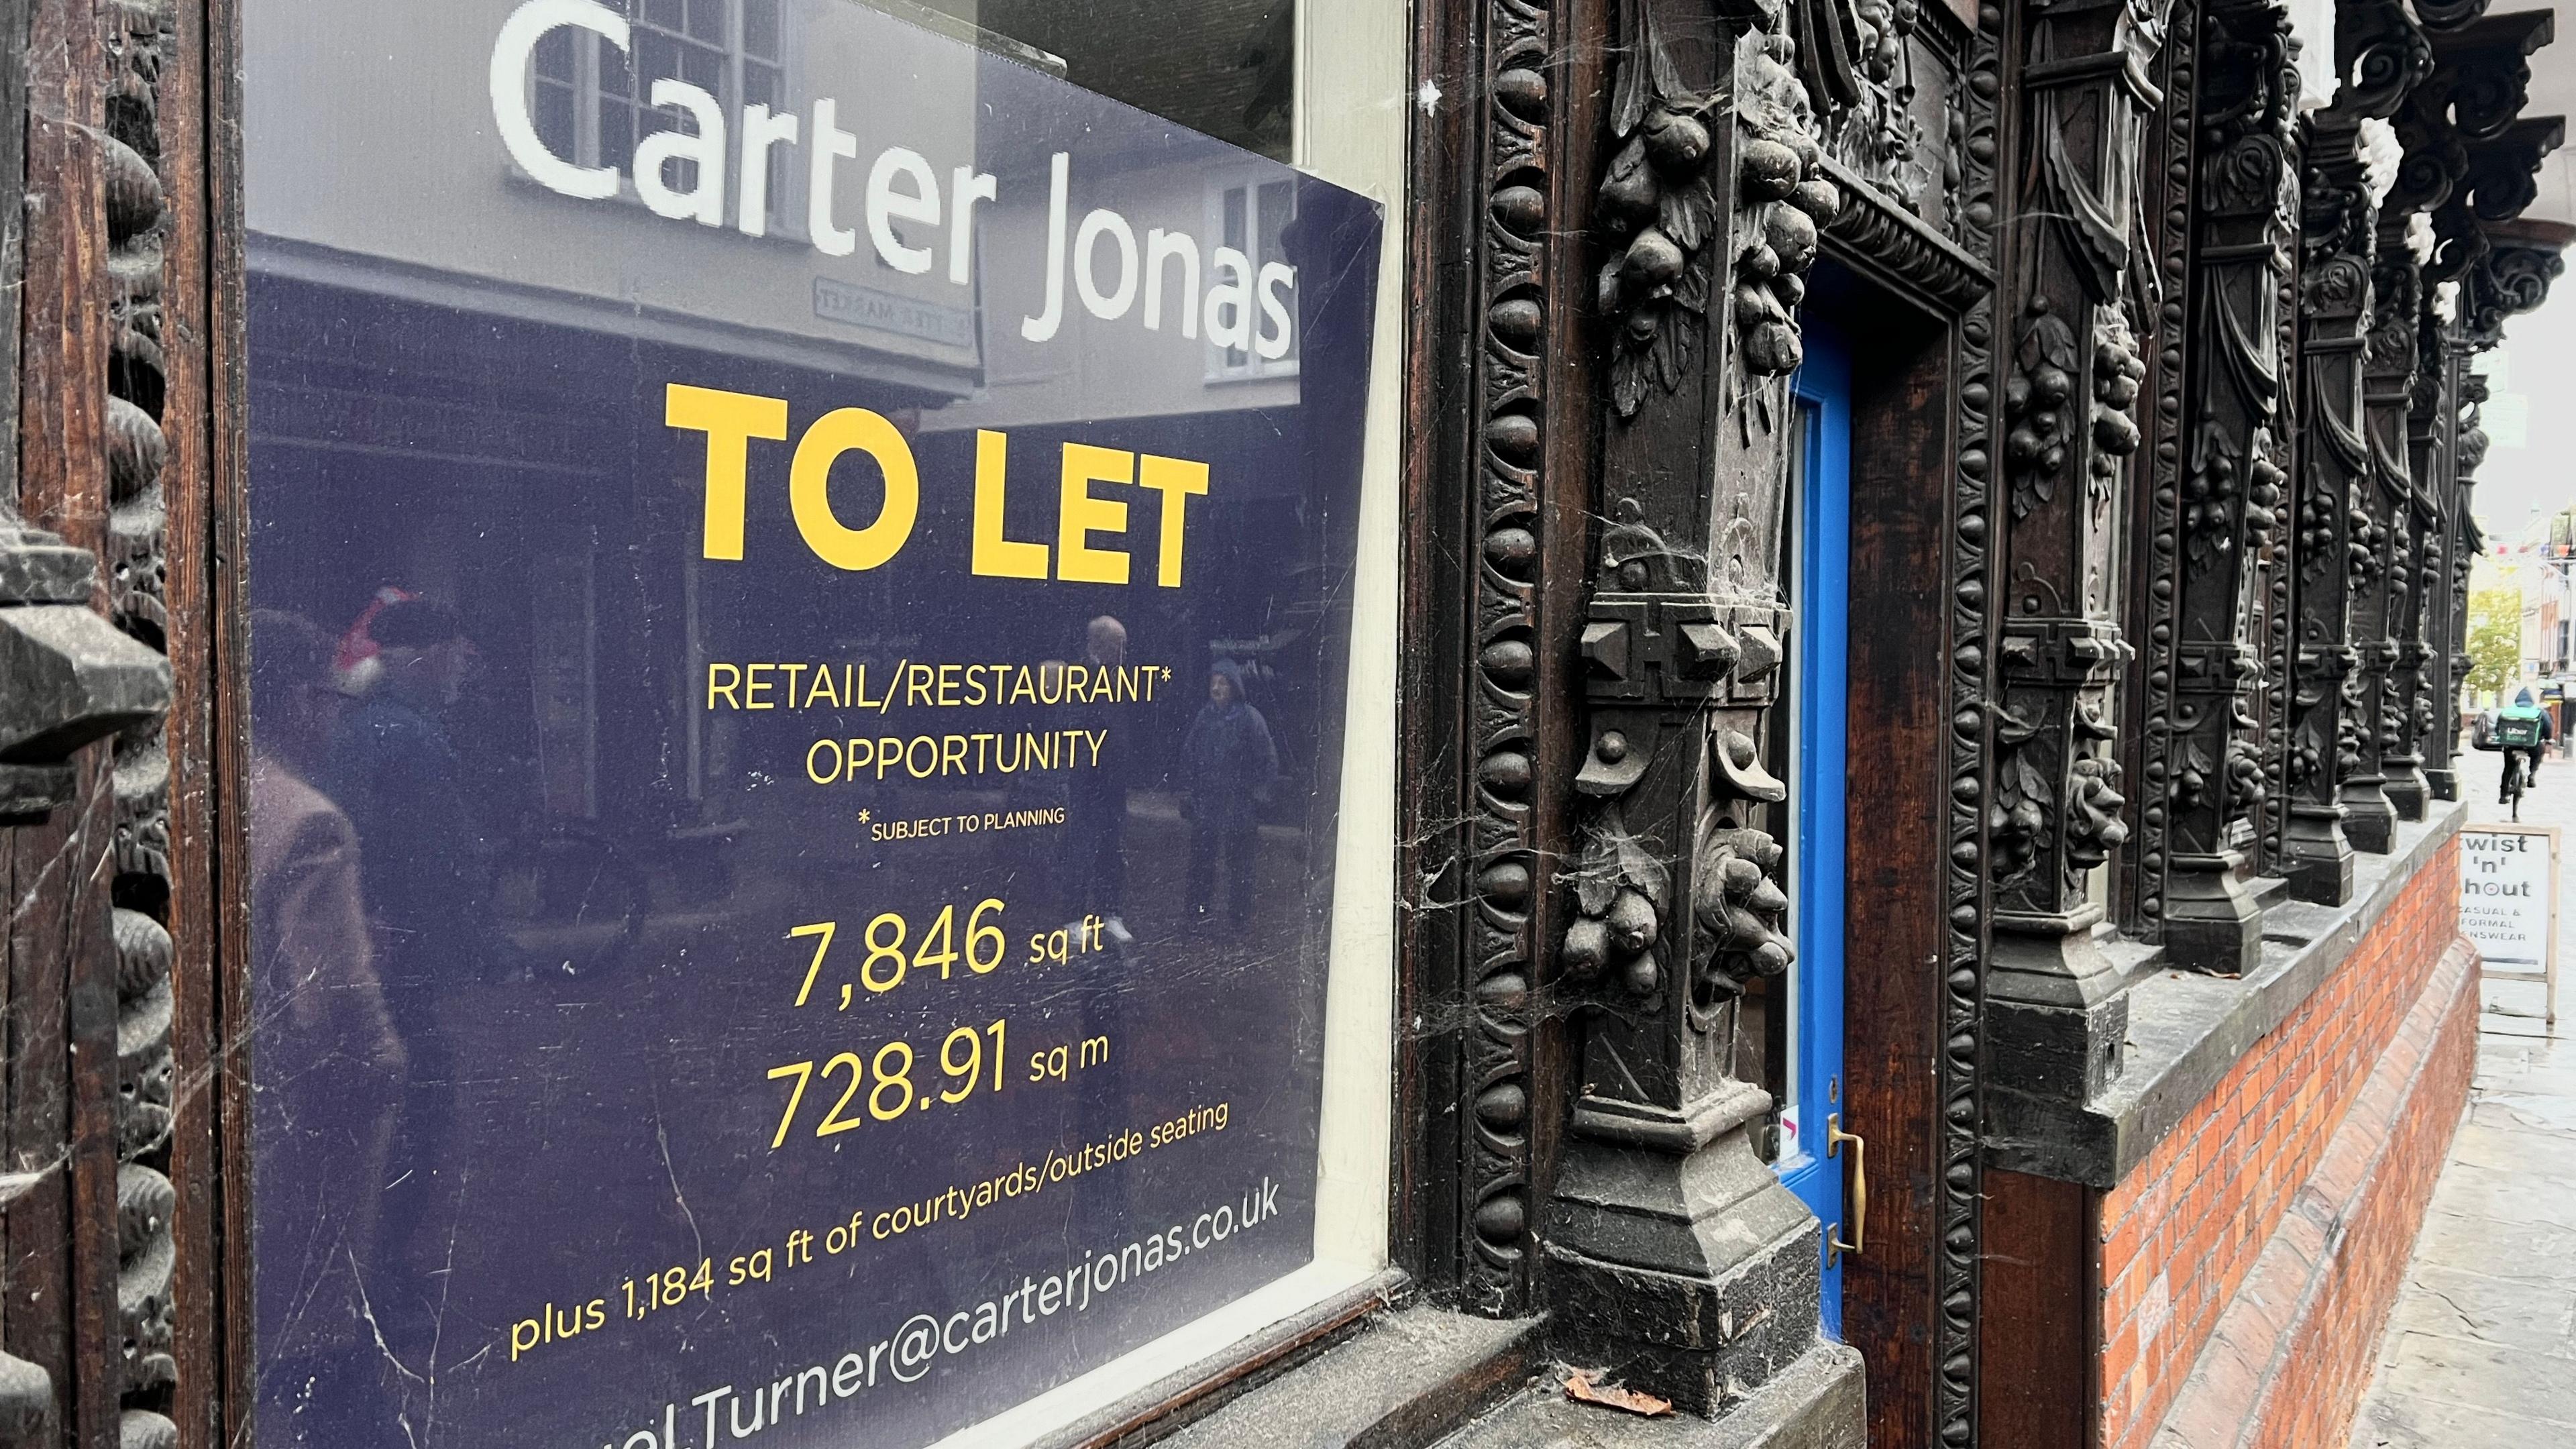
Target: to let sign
[[801, 596]]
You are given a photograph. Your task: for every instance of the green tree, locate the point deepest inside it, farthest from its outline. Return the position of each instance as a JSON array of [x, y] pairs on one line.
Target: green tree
[[2495, 639]]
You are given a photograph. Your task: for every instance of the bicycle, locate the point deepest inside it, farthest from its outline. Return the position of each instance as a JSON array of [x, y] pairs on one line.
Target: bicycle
[[2514, 782]]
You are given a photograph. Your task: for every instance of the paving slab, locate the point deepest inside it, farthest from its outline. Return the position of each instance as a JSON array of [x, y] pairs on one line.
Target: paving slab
[[2481, 1345], [2519, 1313], [2404, 1421]]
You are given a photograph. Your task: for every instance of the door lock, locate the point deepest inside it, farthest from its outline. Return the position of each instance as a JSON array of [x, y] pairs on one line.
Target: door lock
[[1835, 1137]]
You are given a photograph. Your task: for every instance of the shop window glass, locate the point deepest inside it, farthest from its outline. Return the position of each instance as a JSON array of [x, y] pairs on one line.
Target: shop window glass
[[821, 766], [1227, 68]]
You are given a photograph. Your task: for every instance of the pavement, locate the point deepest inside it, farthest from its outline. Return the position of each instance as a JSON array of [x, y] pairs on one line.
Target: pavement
[[2481, 1348]]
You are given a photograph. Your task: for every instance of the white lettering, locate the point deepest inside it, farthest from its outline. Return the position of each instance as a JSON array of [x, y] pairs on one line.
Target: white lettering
[[1162, 246], [965, 188], [1042, 327], [760, 131], [1229, 309], [1246, 306], [886, 206], [1114, 303], [1275, 275], [703, 202], [830, 144], [511, 56]]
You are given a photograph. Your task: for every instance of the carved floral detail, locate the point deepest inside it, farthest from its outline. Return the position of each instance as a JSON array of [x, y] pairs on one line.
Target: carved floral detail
[[1659, 205], [1781, 183], [2017, 813], [2035, 398], [2348, 737], [2193, 773], [2245, 782], [1736, 901], [2215, 498], [2366, 535], [2094, 828], [1618, 890], [1740, 909], [2028, 804], [1860, 71]]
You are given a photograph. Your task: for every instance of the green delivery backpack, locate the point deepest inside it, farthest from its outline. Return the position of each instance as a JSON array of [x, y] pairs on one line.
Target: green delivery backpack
[[2517, 732]]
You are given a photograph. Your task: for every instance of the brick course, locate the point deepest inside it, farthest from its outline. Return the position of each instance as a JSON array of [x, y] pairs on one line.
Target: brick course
[[2257, 1165], [2292, 1355]]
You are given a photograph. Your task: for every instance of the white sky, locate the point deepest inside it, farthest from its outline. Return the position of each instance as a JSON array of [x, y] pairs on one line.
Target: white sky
[[2531, 419]]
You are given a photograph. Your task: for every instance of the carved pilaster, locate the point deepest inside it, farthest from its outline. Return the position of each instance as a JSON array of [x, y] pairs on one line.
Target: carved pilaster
[[2445, 632], [2379, 571], [1513, 300], [2339, 217], [1958, 1185], [1675, 1256], [2384, 56], [2466, 544], [2245, 207], [140, 43], [2155, 555], [2424, 522], [2471, 165], [2055, 1010]]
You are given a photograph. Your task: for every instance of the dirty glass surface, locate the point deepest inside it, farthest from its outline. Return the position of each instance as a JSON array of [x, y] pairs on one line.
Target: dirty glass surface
[[799, 578]]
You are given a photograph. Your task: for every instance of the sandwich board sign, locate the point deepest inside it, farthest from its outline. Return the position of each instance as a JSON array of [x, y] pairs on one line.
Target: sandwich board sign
[[2509, 903]]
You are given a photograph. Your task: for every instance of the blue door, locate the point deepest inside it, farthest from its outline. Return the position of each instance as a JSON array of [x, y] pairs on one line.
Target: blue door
[[1811, 1158]]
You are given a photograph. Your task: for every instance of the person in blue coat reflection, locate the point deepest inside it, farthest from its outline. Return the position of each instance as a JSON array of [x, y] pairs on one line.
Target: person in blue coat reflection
[[426, 863], [1228, 764]]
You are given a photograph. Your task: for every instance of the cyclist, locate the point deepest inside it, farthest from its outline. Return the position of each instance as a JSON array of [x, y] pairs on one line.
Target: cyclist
[[2523, 729]]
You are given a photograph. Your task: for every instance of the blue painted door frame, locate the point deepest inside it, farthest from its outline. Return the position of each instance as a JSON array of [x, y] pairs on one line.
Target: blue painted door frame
[[1820, 591]]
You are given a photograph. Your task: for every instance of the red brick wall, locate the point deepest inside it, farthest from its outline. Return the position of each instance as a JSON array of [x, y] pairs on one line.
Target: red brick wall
[[2179, 1236], [2332, 1351]]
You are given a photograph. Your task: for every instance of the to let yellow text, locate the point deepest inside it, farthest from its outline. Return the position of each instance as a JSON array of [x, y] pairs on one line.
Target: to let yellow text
[[1088, 506]]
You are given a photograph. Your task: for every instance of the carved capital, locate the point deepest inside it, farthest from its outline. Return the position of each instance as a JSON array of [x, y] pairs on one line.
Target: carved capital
[[68, 678], [2512, 278]]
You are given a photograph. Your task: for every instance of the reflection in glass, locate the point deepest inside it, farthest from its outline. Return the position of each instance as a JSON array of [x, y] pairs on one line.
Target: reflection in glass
[[925, 834], [1226, 68]]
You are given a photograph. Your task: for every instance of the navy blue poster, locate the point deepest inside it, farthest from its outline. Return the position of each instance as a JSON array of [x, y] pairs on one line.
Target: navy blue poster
[[799, 655]]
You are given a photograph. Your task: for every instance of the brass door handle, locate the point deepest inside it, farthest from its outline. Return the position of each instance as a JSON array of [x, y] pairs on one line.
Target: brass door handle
[[1835, 1137]]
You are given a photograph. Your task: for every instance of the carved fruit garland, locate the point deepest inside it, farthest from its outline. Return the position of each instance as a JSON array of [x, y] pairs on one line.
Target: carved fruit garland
[[2036, 399], [1616, 888], [1659, 206], [1780, 179], [1740, 909]]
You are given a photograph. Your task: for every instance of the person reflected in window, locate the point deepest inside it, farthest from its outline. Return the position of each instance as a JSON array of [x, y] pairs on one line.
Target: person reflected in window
[[332, 1065], [1097, 818], [1228, 764], [426, 866]]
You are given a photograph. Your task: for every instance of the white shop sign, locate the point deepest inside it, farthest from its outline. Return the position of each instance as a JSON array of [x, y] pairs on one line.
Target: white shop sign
[[2509, 902]]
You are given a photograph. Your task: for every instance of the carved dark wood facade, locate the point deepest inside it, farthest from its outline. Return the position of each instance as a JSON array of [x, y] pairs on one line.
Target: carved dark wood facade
[[2206, 549]]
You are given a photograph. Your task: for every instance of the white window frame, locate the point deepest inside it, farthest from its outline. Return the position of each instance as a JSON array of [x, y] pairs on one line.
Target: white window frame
[[787, 185], [1226, 364]]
